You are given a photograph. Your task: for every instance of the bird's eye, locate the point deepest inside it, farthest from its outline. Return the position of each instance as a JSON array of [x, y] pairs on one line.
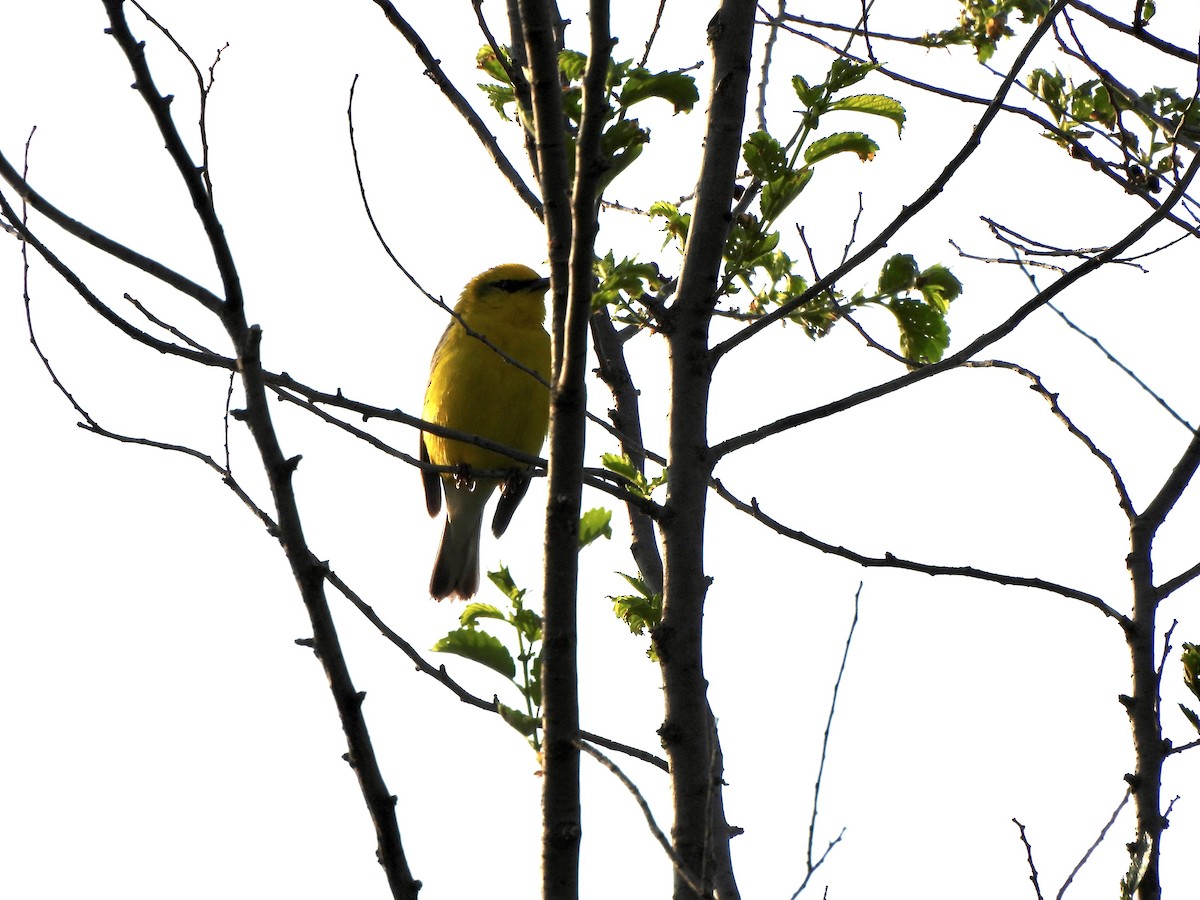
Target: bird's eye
[[514, 285]]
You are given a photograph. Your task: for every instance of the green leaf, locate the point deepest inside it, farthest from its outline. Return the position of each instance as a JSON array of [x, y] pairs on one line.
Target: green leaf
[[503, 579], [620, 283], [480, 647], [528, 623], [572, 64], [621, 465], [534, 692], [620, 145], [874, 105], [808, 95], [476, 611], [924, 334], [844, 73], [637, 483], [939, 287], [844, 142], [1191, 716], [499, 96], [525, 724], [486, 60], [898, 274], [1191, 668], [677, 88], [594, 524], [677, 224], [778, 193], [764, 156]]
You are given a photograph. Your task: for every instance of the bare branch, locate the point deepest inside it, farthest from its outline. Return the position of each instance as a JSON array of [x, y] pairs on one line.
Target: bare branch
[[1040, 388], [1140, 33], [40, 204], [811, 866], [891, 561], [1092, 849], [1033, 873], [433, 68], [663, 842]]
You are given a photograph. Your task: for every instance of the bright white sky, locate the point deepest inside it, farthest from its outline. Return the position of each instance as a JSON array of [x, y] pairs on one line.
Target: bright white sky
[[164, 737]]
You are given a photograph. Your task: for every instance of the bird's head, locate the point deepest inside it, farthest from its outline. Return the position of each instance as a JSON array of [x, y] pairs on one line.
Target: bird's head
[[515, 288]]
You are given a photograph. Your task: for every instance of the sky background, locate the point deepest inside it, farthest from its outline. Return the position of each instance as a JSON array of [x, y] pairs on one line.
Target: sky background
[[164, 736]]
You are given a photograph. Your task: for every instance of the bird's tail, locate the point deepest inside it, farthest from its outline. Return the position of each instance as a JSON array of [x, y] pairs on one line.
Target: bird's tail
[[456, 570]]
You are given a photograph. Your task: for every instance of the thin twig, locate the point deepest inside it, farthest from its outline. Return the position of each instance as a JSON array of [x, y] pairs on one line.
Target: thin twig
[[1123, 498], [1096, 843], [891, 561], [690, 879], [768, 48], [662, 5], [433, 68], [1158, 398], [1033, 873], [811, 866]]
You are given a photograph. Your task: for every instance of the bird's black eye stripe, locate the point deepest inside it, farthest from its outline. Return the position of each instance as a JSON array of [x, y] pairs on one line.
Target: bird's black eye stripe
[[515, 285]]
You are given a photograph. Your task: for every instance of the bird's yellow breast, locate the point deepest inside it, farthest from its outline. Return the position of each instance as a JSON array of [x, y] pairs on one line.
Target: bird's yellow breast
[[474, 389]]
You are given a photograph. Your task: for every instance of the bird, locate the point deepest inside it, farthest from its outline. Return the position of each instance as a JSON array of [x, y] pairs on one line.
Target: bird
[[477, 390]]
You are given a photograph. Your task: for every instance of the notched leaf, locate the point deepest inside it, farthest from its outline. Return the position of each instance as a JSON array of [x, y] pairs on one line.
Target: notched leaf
[[480, 647]]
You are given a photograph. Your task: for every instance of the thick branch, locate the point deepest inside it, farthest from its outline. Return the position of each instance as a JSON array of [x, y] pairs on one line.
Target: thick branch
[[700, 833], [308, 571]]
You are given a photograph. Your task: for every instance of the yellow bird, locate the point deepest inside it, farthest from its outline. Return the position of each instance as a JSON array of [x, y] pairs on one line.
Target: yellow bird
[[474, 389]]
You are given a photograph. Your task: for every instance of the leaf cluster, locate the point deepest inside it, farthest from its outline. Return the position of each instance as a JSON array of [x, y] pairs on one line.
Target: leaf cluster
[[636, 481], [472, 642], [622, 286], [983, 24], [1191, 680], [1078, 110], [623, 138], [641, 610]]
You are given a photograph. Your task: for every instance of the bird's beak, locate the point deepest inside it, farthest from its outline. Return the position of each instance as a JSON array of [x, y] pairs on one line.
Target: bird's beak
[[542, 284]]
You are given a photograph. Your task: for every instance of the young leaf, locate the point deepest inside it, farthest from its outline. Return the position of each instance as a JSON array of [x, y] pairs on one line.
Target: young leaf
[[528, 623], [844, 73], [504, 581], [808, 95], [778, 193], [1191, 668], [924, 334], [593, 524], [764, 156], [480, 647], [898, 274], [525, 724], [639, 611], [939, 287], [844, 142], [476, 611], [874, 105], [499, 96], [572, 64], [677, 223], [486, 60], [675, 87]]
